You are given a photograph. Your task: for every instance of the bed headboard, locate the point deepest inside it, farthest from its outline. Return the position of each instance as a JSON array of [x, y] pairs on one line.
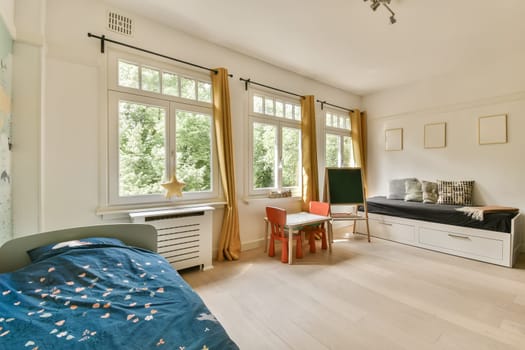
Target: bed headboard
[[13, 254]]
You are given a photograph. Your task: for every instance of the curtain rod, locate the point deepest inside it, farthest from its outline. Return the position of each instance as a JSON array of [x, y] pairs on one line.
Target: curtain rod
[[249, 81], [336, 106], [103, 40]]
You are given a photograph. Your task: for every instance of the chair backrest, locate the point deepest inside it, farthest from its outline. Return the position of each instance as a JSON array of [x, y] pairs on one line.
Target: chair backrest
[[319, 208], [277, 219]]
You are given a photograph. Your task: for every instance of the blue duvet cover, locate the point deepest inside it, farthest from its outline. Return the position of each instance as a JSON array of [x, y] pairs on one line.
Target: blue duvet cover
[[104, 296]]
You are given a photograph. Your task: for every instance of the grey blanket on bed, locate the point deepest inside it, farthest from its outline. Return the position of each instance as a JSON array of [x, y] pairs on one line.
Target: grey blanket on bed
[[439, 213]]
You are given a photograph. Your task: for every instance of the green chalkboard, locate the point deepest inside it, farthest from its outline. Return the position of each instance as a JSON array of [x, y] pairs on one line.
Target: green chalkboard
[[344, 185]]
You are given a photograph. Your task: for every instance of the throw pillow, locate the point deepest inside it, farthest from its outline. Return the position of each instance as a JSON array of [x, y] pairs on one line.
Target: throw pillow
[[455, 192], [430, 192], [53, 249], [396, 188], [413, 191]]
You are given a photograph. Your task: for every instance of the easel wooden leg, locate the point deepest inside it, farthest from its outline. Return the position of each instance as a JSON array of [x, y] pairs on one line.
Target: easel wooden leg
[[330, 236], [368, 230]]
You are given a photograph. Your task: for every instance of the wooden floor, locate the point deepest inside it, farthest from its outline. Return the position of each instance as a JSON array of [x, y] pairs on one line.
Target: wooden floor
[[379, 295]]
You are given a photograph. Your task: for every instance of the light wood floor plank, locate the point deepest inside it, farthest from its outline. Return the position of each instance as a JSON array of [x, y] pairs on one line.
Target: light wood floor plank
[[379, 295]]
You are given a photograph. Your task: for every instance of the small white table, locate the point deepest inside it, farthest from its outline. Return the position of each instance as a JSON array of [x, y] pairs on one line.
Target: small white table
[[297, 220]]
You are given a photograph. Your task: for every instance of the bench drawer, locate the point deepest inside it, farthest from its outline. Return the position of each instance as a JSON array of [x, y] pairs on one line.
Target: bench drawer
[[461, 244], [393, 231]]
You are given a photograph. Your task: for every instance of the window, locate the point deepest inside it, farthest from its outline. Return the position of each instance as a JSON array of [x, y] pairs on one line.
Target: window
[[160, 123], [338, 143], [275, 143]]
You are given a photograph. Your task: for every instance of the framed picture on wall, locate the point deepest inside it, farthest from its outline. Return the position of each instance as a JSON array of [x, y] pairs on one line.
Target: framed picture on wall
[[435, 135], [492, 129], [394, 139]]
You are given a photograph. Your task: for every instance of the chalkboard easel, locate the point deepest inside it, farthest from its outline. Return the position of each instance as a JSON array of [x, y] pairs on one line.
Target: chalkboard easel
[[344, 186]]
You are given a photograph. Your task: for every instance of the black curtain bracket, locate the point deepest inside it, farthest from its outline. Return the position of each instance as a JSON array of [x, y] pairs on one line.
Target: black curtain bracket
[[249, 81], [103, 40], [246, 82], [332, 105]]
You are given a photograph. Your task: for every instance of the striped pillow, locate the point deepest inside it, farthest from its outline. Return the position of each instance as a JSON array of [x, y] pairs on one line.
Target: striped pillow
[[455, 192]]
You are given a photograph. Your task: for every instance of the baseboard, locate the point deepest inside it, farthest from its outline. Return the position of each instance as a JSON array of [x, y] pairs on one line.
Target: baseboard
[[255, 244], [258, 243]]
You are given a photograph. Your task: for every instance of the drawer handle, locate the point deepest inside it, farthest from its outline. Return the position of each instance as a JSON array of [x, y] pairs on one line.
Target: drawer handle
[[458, 236], [384, 223]]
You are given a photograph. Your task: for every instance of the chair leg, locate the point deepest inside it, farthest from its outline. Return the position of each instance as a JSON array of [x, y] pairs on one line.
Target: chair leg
[[299, 249], [284, 251], [324, 244], [311, 240], [271, 250]]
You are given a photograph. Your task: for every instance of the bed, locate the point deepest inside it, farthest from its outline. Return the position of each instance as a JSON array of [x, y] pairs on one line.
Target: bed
[[497, 239], [99, 287], [439, 213]]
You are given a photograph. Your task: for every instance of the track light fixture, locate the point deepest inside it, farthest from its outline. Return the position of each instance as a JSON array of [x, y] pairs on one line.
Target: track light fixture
[[375, 5]]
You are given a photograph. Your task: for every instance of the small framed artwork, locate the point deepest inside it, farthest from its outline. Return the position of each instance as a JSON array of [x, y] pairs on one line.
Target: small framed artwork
[[436, 135], [492, 129], [394, 139]]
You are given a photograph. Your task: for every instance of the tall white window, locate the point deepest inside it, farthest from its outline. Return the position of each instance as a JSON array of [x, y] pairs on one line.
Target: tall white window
[[160, 124], [275, 143], [338, 143]]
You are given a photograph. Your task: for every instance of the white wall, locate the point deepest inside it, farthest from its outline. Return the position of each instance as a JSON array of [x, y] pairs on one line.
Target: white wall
[[458, 99], [28, 112], [26, 137], [7, 11], [75, 110]]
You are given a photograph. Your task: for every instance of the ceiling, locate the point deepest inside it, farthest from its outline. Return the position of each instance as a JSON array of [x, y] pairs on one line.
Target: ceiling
[[344, 43]]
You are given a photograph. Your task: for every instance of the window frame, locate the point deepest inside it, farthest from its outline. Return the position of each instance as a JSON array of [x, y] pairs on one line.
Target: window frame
[[279, 123], [171, 104], [338, 131]]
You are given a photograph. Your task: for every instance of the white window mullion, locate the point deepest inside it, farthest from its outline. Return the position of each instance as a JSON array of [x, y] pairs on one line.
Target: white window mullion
[[172, 142], [279, 164]]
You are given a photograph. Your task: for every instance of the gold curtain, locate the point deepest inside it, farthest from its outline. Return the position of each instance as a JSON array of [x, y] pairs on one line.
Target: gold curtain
[[310, 175], [230, 241], [358, 133]]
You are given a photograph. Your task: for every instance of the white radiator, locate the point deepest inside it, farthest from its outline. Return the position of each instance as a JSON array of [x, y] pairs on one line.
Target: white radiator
[[184, 236]]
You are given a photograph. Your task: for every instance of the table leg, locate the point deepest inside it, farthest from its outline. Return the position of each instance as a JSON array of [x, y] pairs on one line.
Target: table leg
[[290, 245], [330, 236], [266, 236]]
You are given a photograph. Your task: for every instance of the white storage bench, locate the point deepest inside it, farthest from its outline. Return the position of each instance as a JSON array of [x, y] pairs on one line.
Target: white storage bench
[[501, 248]]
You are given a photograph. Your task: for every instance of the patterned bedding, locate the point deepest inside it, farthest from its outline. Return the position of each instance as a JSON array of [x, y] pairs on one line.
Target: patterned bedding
[[104, 296]]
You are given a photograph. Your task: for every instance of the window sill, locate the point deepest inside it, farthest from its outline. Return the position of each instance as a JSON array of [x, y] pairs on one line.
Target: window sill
[[248, 200], [122, 212]]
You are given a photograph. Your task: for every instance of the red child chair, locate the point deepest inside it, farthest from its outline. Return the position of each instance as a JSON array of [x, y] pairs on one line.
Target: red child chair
[[277, 219], [319, 208]]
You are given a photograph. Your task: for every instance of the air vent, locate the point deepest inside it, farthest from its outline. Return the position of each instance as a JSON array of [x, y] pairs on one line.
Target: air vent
[[120, 24]]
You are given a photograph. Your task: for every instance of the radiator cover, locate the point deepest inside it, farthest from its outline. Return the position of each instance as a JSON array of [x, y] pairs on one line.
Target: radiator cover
[[184, 236]]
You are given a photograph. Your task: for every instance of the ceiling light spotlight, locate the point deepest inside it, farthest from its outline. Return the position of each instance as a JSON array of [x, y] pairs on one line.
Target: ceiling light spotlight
[[376, 3]]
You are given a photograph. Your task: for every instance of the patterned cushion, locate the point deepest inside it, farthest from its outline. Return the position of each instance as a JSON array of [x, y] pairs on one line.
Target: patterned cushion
[[430, 192], [396, 188], [455, 192], [413, 191]]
